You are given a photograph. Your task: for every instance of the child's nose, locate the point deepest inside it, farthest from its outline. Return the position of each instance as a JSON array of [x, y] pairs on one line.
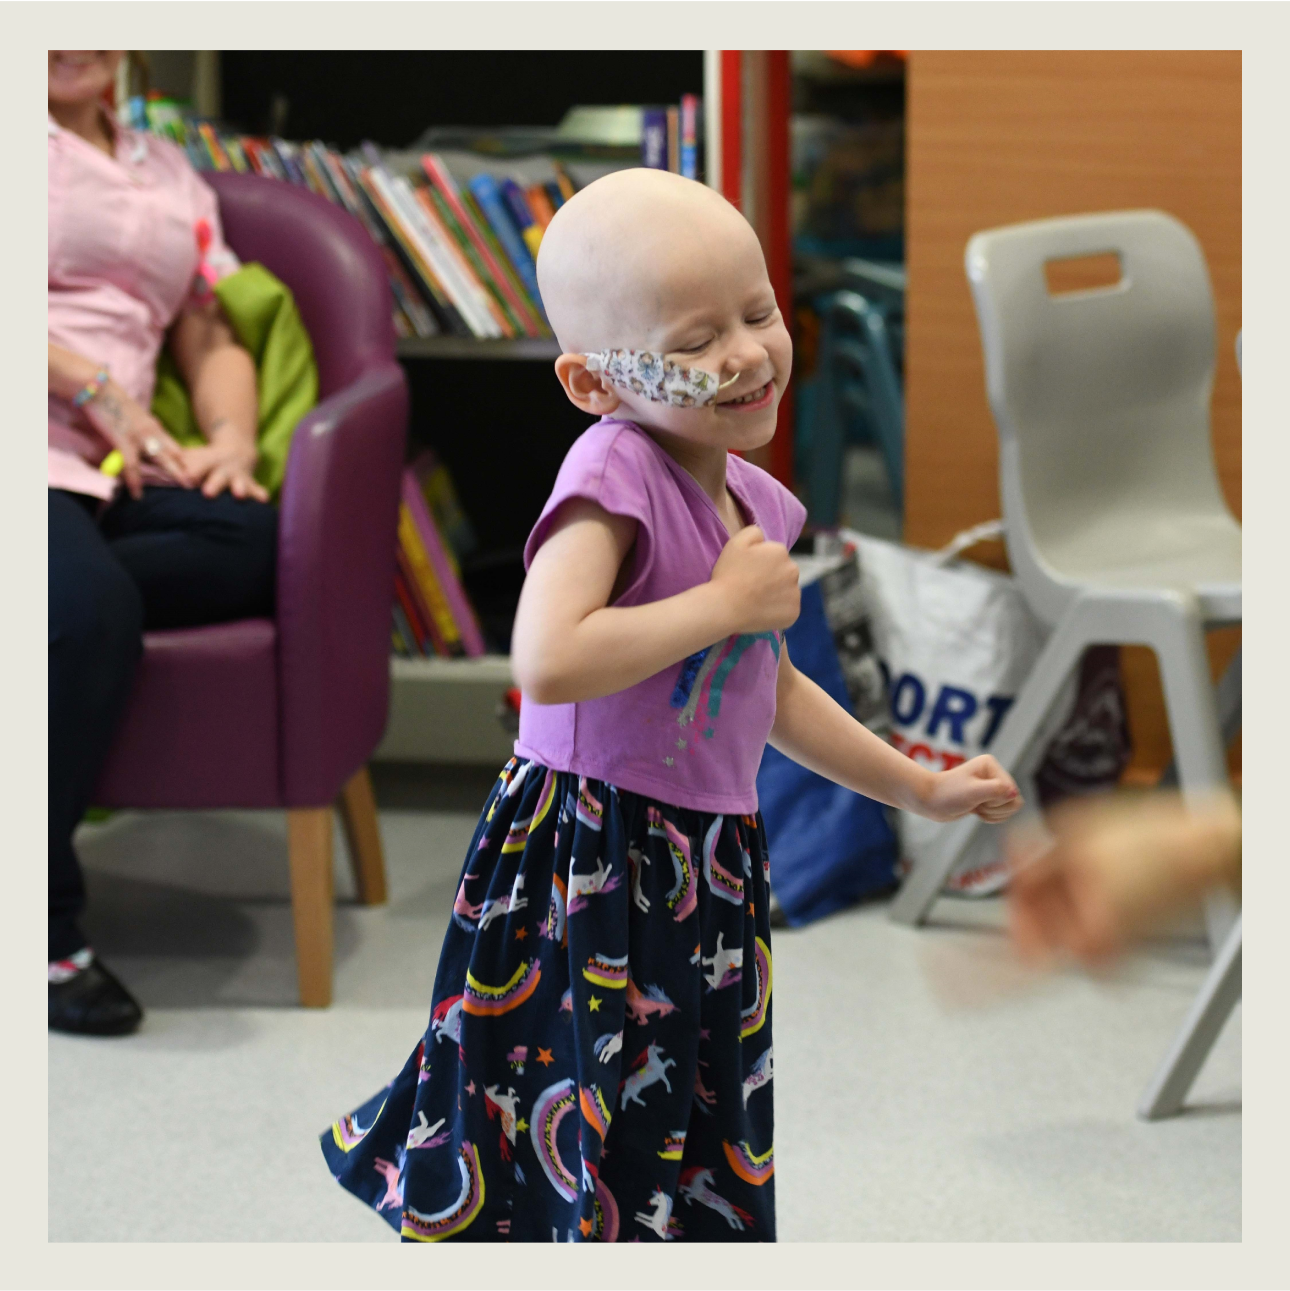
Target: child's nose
[[745, 353]]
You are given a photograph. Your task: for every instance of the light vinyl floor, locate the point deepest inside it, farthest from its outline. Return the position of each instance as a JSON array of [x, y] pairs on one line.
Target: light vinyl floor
[[925, 1088]]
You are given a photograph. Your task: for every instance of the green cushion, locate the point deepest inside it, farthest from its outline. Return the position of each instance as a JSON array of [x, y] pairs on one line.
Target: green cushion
[[264, 318]]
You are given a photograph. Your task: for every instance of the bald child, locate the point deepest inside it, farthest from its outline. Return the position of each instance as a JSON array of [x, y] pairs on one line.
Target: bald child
[[599, 1061]]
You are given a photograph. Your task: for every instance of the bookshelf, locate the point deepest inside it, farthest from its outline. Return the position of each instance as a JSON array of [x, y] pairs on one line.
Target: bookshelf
[[446, 710], [491, 410], [522, 350]]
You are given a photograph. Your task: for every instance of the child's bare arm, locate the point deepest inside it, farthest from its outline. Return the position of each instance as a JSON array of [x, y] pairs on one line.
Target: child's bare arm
[[569, 644], [811, 728]]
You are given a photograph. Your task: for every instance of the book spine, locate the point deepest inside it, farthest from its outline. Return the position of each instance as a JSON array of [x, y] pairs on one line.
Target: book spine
[[449, 515], [674, 140], [459, 606], [322, 179], [528, 226], [438, 613], [553, 195], [478, 265], [443, 308], [690, 109], [508, 269], [410, 299], [268, 160], [219, 158], [398, 194], [411, 610], [401, 637], [443, 182], [654, 138], [195, 147], [477, 287], [563, 181], [233, 149], [486, 192], [251, 149], [290, 164], [540, 204]]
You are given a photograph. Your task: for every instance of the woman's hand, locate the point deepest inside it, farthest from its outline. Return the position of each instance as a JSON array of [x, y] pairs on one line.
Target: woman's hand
[[1116, 871], [227, 462], [979, 787], [138, 436]]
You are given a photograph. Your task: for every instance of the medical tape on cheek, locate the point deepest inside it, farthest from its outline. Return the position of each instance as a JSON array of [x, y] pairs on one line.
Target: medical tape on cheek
[[657, 378]]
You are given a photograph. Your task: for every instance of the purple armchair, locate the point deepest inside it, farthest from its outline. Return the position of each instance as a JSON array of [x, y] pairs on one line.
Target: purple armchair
[[285, 712]]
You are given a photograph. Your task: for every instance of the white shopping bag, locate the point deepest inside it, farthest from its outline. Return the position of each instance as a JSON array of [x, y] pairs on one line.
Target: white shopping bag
[[955, 641]]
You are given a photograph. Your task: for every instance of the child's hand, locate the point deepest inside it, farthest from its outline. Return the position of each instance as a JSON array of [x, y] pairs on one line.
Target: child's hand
[[979, 786], [759, 581]]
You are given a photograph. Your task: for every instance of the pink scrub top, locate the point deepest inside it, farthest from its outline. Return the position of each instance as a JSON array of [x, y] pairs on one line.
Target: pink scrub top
[[123, 265], [693, 734]]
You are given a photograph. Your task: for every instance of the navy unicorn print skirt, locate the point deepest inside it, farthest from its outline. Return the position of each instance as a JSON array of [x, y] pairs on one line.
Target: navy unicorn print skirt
[[598, 1064]]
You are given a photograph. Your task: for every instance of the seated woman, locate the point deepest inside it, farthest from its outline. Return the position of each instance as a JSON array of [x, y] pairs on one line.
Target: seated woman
[[185, 536]]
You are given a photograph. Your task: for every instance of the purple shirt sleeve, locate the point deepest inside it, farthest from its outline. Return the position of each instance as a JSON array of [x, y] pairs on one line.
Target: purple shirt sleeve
[[606, 466]]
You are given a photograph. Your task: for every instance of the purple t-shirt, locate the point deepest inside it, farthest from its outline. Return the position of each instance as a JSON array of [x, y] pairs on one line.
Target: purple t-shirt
[[693, 734]]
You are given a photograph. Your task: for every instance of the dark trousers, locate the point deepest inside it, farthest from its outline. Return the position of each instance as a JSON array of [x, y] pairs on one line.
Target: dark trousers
[[171, 559]]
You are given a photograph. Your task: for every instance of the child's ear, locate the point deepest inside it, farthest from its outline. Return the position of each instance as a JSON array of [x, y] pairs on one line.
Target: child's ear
[[585, 388]]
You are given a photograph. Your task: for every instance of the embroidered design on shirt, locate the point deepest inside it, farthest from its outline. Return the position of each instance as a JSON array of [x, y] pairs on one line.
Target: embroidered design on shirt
[[707, 672], [657, 378]]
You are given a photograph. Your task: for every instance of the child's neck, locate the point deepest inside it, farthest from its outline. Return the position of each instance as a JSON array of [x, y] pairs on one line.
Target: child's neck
[[706, 463]]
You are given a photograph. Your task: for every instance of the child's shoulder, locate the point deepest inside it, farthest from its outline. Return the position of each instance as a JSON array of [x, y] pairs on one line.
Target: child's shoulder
[[611, 464], [609, 440]]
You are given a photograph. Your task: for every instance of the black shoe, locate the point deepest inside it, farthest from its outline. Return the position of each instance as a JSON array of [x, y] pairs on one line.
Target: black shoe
[[93, 1003]]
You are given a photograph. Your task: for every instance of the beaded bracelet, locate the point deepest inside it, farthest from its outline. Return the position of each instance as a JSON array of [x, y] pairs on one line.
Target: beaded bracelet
[[93, 388]]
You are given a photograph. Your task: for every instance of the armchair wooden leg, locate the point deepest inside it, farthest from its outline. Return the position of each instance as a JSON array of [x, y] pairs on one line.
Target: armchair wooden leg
[[309, 847], [362, 832]]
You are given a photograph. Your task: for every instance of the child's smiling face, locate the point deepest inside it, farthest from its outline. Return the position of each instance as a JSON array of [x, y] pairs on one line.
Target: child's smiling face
[[645, 260]]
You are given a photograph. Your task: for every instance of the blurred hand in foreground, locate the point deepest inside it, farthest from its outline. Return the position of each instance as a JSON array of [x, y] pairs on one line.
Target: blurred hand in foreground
[[1118, 870]]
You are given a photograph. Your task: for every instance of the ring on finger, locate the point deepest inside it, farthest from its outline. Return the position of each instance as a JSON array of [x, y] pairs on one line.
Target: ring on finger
[[151, 446]]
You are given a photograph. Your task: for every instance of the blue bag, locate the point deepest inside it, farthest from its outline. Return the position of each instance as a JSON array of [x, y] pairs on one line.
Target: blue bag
[[829, 847]]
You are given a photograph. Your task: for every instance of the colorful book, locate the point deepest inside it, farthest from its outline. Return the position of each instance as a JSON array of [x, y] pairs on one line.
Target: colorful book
[[401, 635], [525, 221], [428, 242], [674, 140], [563, 180], [215, 149], [412, 611], [465, 267], [407, 298], [540, 204], [441, 573], [287, 160], [690, 107], [436, 297], [509, 273], [479, 267], [449, 516], [489, 196], [504, 277], [233, 148], [427, 590], [554, 195], [654, 138]]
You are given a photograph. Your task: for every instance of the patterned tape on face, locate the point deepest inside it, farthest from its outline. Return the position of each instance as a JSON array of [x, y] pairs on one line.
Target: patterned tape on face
[[656, 378]]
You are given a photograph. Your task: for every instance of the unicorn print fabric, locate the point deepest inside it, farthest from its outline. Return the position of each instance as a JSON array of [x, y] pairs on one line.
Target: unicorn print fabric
[[598, 1061], [693, 734]]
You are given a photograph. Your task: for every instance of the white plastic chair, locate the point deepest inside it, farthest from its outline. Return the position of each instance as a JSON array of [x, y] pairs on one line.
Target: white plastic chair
[[1116, 527]]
